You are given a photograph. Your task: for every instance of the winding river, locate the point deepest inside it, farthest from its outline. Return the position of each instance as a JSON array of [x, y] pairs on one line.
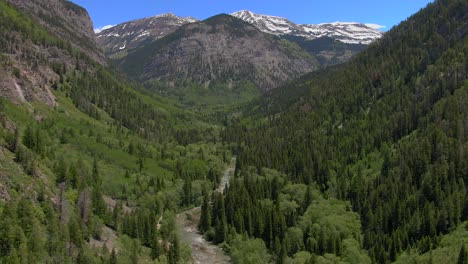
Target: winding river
[[203, 251]]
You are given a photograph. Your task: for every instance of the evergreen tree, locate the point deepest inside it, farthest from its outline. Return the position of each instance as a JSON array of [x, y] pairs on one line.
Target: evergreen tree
[[205, 217], [156, 249], [29, 138], [174, 251], [113, 257], [462, 256]]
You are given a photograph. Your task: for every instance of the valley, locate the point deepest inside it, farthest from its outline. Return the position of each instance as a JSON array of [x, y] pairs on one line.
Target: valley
[[241, 138], [188, 221]]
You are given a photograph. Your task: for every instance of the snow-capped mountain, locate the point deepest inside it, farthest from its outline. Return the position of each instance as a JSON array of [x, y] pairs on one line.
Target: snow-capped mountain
[[221, 49], [269, 24], [346, 32], [131, 34]]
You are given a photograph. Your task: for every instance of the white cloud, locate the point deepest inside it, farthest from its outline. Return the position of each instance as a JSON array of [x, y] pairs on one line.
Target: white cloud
[[376, 26], [99, 30]]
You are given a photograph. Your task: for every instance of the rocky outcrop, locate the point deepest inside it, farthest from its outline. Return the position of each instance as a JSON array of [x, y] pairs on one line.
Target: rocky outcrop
[[43, 41], [65, 20]]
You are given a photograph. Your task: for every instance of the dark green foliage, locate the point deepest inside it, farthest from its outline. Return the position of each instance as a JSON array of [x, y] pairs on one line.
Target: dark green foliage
[[385, 132], [327, 45], [174, 251], [205, 217], [463, 256], [399, 98], [156, 249], [113, 257]]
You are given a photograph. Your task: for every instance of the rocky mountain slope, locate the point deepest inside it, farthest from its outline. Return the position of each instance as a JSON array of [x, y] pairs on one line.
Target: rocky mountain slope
[[65, 20], [116, 40], [222, 48], [35, 51], [330, 43], [346, 32]]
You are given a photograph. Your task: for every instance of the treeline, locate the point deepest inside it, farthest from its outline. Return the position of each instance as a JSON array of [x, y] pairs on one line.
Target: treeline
[[402, 100]]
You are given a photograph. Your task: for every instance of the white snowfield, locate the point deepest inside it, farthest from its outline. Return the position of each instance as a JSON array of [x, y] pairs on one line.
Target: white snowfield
[[346, 32]]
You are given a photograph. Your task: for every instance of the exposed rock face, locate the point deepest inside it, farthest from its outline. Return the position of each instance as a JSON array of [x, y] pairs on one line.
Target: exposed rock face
[[66, 20], [221, 48], [29, 69], [116, 41], [23, 89]]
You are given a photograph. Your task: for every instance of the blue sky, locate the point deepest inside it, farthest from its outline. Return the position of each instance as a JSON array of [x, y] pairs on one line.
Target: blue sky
[[387, 13]]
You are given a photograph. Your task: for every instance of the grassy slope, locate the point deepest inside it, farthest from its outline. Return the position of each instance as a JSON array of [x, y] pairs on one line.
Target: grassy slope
[[95, 139], [72, 135]]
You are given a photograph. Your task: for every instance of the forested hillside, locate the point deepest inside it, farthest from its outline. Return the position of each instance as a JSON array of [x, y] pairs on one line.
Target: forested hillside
[[91, 170], [385, 132], [364, 162]]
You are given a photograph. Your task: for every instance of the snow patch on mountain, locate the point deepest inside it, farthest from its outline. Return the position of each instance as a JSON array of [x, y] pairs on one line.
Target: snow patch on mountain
[[99, 30], [346, 32], [128, 35], [375, 26]]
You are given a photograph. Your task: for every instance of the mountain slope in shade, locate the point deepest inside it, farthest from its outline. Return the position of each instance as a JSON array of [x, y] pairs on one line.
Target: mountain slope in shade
[[117, 40], [346, 32], [222, 48]]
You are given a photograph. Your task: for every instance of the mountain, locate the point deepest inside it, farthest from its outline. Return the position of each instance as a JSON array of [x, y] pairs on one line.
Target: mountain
[[66, 20], [56, 35], [220, 49], [86, 159], [330, 43], [362, 162], [384, 132], [117, 40], [345, 32]]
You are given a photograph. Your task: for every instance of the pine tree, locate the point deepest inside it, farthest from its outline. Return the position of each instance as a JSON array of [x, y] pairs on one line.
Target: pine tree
[[221, 222], [95, 174], [307, 198], [156, 249], [134, 252], [16, 141], [174, 251], [462, 256], [97, 201], [29, 138], [113, 257], [187, 192], [205, 217], [61, 171]]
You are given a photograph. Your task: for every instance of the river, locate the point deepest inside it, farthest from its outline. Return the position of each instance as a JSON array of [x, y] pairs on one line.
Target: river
[[203, 251]]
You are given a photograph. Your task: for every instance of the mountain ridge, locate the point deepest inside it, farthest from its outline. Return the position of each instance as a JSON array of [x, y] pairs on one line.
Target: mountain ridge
[[221, 48], [131, 34], [346, 32], [118, 39]]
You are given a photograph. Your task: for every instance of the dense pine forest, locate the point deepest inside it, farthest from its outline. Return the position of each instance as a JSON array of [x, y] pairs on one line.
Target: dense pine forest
[[385, 132], [363, 162]]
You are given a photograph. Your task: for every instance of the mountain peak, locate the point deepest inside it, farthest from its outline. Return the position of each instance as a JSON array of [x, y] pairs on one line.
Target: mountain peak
[[118, 39], [346, 32], [169, 14]]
